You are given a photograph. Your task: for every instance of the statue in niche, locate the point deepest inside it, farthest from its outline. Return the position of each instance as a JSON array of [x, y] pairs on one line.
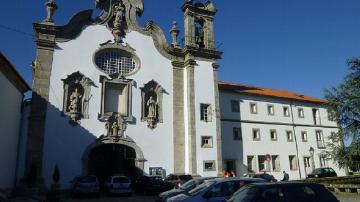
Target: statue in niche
[[151, 117], [74, 101], [115, 126], [74, 105], [151, 104]]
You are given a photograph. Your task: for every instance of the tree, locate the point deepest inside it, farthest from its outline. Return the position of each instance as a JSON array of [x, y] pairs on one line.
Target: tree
[[343, 103]]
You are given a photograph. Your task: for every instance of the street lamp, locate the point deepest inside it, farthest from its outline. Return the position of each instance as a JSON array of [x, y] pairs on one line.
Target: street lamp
[[312, 150]]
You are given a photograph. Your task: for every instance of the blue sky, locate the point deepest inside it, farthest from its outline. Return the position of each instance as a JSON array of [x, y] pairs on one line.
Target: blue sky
[[300, 46]]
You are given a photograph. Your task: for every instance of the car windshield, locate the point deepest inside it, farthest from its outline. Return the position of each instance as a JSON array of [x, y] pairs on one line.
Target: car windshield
[[185, 177], [201, 187], [188, 185], [317, 171], [121, 180]]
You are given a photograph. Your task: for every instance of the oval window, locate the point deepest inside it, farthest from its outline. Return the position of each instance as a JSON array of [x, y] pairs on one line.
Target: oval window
[[113, 61]]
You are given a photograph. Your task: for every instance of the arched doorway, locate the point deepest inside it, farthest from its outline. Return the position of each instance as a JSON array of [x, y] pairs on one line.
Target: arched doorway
[[112, 159], [105, 157]]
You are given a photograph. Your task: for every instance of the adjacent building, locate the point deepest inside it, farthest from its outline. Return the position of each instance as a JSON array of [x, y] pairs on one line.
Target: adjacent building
[[13, 87], [268, 130]]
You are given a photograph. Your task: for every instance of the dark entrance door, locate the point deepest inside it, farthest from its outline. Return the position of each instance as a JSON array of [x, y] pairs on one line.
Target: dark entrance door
[[112, 159]]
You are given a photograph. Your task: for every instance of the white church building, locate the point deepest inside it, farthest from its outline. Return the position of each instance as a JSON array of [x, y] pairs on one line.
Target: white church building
[[110, 96]]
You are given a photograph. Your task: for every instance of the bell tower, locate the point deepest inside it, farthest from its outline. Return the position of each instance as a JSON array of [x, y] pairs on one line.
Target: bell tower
[[199, 24]]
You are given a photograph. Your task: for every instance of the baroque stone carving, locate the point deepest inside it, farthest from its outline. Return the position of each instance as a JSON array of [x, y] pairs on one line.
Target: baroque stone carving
[[151, 95], [76, 96], [115, 127]]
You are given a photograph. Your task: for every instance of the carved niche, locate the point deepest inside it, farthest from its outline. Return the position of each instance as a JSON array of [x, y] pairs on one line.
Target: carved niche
[[115, 127], [151, 108], [76, 96]]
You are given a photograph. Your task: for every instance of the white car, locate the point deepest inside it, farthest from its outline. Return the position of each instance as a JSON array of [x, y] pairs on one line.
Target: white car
[[216, 190], [118, 185]]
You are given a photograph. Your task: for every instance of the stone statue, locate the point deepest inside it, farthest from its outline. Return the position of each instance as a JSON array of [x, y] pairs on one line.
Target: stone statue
[[75, 101], [117, 31], [199, 35], [151, 104], [115, 129]]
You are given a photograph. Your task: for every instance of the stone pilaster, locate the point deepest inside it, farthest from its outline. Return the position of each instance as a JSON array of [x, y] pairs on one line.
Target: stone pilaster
[[217, 119], [178, 116], [190, 105], [40, 96]]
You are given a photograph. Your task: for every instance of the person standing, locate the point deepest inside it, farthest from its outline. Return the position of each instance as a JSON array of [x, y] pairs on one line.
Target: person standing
[[286, 176]]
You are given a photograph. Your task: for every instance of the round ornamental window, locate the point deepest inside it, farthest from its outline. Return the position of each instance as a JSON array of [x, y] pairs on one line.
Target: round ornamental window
[[113, 61]]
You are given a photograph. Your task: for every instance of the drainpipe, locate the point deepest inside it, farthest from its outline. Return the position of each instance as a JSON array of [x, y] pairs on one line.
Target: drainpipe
[[296, 143]]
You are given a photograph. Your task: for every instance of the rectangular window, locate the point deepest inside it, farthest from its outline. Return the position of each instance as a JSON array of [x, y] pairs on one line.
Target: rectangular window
[[263, 164], [304, 136], [307, 164], [253, 108], [286, 111], [320, 139], [209, 166], [292, 162], [273, 135], [256, 134], [289, 136], [275, 160], [270, 109], [156, 171], [316, 116], [301, 113], [205, 112], [251, 164], [323, 161], [206, 142], [235, 106], [237, 134]]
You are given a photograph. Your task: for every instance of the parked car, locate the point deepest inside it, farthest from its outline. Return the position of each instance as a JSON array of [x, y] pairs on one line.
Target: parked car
[[185, 188], [283, 192], [264, 175], [215, 190], [322, 172], [82, 185], [150, 184], [118, 185], [176, 180]]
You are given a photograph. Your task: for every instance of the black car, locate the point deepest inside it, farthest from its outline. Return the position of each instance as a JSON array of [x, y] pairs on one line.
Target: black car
[[322, 172], [283, 192], [189, 185], [176, 180], [265, 176], [150, 184]]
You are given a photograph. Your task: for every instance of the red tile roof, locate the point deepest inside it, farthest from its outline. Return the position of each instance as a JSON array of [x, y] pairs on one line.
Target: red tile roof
[[13, 74], [239, 88]]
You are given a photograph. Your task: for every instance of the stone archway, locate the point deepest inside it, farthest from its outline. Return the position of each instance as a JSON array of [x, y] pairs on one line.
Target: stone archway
[[107, 157]]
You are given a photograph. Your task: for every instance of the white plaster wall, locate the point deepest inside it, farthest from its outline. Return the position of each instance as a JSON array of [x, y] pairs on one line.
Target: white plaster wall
[[10, 108], [65, 144], [205, 93], [233, 148]]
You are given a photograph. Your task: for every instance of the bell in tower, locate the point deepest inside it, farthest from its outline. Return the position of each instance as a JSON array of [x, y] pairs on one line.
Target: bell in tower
[[199, 24]]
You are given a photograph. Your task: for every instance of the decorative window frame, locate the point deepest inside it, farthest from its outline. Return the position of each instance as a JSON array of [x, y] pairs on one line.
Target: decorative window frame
[[125, 50], [210, 144], [121, 81], [208, 112], [77, 78]]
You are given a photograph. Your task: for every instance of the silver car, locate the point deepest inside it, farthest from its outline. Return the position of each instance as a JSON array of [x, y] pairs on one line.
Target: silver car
[[118, 185], [215, 190]]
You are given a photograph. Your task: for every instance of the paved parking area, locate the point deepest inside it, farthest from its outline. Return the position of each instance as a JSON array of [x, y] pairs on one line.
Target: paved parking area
[[134, 198], [348, 197]]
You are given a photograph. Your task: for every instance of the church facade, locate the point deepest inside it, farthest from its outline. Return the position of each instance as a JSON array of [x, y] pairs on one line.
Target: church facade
[[112, 97]]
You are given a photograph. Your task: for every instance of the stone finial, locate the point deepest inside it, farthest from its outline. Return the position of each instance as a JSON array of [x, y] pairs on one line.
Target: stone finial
[[51, 7], [210, 6], [174, 34]]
